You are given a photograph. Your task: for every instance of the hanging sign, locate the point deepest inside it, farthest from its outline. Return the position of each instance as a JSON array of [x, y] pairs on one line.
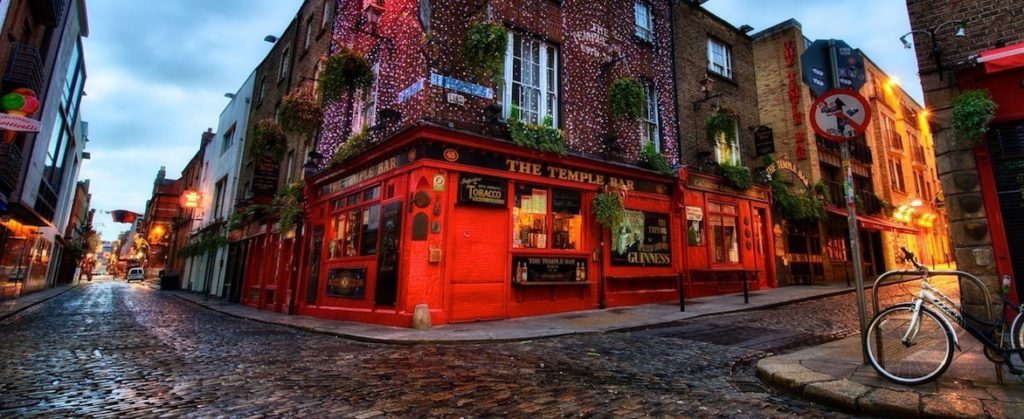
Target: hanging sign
[[840, 115], [18, 123], [191, 199], [764, 141]]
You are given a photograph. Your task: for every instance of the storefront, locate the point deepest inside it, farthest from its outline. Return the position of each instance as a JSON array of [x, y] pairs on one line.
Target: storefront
[[729, 237], [267, 269], [479, 229]]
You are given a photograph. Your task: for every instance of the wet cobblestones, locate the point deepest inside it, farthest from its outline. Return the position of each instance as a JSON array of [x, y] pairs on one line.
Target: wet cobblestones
[[124, 350]]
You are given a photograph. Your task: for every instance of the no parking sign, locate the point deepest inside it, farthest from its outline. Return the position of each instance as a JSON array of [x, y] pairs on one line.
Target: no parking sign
[[840, 115]]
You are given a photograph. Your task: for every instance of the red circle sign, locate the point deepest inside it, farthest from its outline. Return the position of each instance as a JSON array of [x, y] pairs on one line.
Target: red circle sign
[[840, 115]]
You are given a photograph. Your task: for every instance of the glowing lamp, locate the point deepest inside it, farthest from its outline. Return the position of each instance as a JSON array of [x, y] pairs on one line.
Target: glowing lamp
[[916, 203], [191, 199]]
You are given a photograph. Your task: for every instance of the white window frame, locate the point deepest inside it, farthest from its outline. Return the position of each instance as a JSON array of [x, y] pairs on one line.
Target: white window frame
[[643, 20], [650, 127], [309, 34], [734, 148], [723, 68], [546, 83], [364, 107], [326, 14]]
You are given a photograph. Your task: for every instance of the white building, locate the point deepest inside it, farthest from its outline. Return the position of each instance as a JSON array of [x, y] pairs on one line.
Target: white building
[[218, 184]]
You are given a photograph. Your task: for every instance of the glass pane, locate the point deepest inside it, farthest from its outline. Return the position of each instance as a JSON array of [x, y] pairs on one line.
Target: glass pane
[[371, 225], [352, 233], [529, 216]]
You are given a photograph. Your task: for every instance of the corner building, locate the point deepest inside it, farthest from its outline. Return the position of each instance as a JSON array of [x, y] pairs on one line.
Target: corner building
[[444, 210]]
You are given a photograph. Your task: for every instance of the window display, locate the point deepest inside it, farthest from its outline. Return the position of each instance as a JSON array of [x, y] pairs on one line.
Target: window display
[[723, 220], [357, 226], [546, 219]]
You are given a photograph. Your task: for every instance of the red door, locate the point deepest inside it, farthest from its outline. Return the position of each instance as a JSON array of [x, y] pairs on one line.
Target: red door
[[478, 276]]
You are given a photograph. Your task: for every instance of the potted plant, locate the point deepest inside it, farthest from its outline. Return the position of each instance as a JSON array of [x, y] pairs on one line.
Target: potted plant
[[483, 49], [299, 114], [973, 110], [352, 147], [626, 98], [544, 137], [608, 209], [650, 158], [721, 124], [737, 177], [345, 70]]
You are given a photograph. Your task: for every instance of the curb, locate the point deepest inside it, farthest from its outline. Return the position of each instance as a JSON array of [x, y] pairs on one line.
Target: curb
[[5, 316]]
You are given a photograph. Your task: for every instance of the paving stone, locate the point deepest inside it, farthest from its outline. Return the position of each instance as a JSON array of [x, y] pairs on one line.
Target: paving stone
[[890, 403], [1005, 410], [840, 393], [951, 406]]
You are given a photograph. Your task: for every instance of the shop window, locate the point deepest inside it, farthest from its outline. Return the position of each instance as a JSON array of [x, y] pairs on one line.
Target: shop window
[[545, 218], [695, 232], [532, 87], [357, 225], [723, 222]]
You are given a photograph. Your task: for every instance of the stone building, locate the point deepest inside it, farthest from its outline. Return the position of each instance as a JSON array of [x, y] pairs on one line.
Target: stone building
[[963, 46]]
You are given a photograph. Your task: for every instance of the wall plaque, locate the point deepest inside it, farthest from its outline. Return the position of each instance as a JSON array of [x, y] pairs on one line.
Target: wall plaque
[[483, 190], [526, 269], [346, 282]]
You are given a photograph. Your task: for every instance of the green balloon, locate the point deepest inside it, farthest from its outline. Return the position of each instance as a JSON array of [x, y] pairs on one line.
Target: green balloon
[[12, 102]]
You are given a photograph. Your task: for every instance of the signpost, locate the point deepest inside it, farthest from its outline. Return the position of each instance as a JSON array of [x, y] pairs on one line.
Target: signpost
[[834, 71]]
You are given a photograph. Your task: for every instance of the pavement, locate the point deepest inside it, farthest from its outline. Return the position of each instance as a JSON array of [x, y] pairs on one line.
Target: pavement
[[832, 374]]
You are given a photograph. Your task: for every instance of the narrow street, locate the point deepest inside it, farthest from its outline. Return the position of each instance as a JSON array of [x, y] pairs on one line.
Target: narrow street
[[112, 348]]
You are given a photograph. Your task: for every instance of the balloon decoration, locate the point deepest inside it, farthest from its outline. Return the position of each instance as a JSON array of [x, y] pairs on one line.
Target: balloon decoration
[[21, 103]]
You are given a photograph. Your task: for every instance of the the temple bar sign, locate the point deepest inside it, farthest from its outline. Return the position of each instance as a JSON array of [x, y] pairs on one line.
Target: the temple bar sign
[[561, 173]]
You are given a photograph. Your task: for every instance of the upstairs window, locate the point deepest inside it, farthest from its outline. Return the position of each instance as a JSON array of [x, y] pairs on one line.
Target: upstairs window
[[644, 20], [532, 82], [719, 58], [728, 151], [365, 105], [896, 174], [649, 118], [286, 63], [228, 139]]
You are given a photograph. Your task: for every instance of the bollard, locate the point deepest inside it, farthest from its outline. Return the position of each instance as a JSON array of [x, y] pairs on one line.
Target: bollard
[[421, 317], [682, 292], [746, 296]]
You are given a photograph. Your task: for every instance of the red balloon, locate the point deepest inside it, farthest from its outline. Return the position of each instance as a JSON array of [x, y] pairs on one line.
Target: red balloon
[[31, 105]]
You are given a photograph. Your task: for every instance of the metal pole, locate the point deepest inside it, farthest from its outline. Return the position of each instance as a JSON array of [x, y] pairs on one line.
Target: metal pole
[[851, 210], [682, 292]]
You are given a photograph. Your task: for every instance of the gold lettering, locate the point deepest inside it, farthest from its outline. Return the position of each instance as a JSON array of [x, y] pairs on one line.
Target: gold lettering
[[536, 169], [552, 172], [511, 164]]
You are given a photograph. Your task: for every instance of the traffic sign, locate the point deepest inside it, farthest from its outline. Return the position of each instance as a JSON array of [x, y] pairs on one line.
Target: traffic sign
[[815, 66], [839, 115]]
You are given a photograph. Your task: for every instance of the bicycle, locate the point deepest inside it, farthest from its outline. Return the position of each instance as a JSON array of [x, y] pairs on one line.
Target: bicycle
[[912, 343]]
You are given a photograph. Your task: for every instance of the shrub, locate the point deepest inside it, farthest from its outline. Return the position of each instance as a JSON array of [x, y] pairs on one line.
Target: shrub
[[738, 177], [345, 70], [973, 110], [650, 158], [544, 137], [627, 98], [608, 209], [484, 48]]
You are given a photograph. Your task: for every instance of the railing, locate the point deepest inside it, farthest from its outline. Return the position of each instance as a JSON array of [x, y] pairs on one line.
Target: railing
[[867, 202], [48, 12], [25, 68], [858, 150], [10, 168]]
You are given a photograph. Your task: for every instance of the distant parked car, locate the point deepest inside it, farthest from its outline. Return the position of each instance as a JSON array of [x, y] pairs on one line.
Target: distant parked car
[[135, 274]]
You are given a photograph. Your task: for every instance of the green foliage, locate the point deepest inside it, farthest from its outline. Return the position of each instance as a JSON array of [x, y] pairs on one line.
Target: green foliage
[[608, 209], [204, 246], [806, 208], [354, 146], [544, 137], [288, 206], [721, 123], [268, 140], [236, 218], [76, 251], [738, 177], [345, 70], [484, 48], [627, 98], [299, 115], [973, 110], [650, 158]]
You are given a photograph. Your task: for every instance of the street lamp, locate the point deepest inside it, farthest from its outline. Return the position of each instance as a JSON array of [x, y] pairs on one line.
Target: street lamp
[[961, 32]]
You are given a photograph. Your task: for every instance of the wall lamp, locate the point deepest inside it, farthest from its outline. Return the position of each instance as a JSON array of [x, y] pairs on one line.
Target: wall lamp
[[961, 32], [270, 38]]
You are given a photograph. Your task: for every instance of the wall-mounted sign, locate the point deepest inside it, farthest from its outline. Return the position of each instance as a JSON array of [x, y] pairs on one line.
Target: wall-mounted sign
[[191, 199], [18, 123], [410, 91], [764, 141], [264, 177], [440, 182], [695, 226], [461, 86], [790, 166], [526, 269], [641, 239], [483, 190], [346, 282]]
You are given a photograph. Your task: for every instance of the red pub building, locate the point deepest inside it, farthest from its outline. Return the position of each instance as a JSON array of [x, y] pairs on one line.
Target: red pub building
[[448, 189]]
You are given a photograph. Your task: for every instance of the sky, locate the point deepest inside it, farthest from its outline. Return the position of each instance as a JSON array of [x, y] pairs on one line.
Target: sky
[[158, 71]]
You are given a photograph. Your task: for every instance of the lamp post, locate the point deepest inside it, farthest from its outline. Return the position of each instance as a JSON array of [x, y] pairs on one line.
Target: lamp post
[[961, 32]]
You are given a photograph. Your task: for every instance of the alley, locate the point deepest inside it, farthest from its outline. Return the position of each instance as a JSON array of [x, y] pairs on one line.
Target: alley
[[110, 347]]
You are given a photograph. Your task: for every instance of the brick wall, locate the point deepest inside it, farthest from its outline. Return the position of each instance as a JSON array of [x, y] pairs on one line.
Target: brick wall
[[694, 26]]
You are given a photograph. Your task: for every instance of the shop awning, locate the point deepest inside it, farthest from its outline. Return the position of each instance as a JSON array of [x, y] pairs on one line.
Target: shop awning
[[875, 223], [1002, 59]]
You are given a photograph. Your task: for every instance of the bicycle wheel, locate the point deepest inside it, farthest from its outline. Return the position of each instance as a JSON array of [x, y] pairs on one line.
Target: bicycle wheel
[[924, 358], [1017, 333]]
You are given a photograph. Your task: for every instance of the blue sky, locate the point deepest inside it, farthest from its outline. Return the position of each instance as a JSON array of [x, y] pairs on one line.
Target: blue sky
[[158, 71]]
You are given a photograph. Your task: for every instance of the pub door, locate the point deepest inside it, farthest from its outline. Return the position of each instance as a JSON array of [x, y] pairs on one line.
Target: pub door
[[1006, 144], [479, 277]]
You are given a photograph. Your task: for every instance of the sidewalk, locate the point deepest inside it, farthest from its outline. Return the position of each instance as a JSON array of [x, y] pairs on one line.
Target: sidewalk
[[14, 306], [834, 374], [577, 322]]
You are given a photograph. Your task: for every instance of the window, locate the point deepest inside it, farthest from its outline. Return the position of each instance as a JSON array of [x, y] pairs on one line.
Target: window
[[649, 118], [286, 63], [719, 58], [218, 197], [356, 225], [644, 21], [365, 104], [723, 220], [289, 167], [309, 34], [326, 15], [919, 183], [228, 139], [263, 89], [896, 173], [728, 152], [544, 218], [533, 85]]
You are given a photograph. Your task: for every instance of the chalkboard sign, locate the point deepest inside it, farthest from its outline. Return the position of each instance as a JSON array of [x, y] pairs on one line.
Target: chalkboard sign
[[540, 269], [264, 177], [764, 141], [483, 190]]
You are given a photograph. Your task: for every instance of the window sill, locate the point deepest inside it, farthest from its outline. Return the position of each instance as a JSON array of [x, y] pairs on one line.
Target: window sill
[[644, 42], [722, 77]]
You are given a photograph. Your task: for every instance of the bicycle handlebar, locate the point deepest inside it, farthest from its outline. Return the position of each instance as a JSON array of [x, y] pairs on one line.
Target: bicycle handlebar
[[909, 256]]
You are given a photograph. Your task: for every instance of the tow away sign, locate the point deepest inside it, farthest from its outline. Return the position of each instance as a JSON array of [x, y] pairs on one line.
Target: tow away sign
[[840, 115]]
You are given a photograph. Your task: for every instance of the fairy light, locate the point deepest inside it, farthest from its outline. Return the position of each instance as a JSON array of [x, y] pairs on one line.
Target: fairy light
[[584, 77]]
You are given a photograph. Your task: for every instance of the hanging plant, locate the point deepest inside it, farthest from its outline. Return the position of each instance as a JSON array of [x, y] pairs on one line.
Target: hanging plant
[[650, 158], [344, 71], [737, 177], [352, 147], [627, 98], [268, 139], [544, 137], [973, 110], [608, 209], [288, 205], [806, 208], [483, 50], [299, 115], [721, 124]]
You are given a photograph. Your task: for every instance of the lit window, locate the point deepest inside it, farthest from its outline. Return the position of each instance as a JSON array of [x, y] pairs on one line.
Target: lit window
[[896, 173], [644, 21], [357, 225], [365, 104], [649, 118], [726, 151], [546, 218], [723, 220], [533, 85], [719, 58]]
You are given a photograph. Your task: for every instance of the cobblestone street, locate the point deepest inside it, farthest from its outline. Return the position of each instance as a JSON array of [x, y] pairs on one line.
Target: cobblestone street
[[127, 350]]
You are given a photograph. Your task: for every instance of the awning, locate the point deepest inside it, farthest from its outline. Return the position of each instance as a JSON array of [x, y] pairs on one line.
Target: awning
[[875, 223], [1002, 59]]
